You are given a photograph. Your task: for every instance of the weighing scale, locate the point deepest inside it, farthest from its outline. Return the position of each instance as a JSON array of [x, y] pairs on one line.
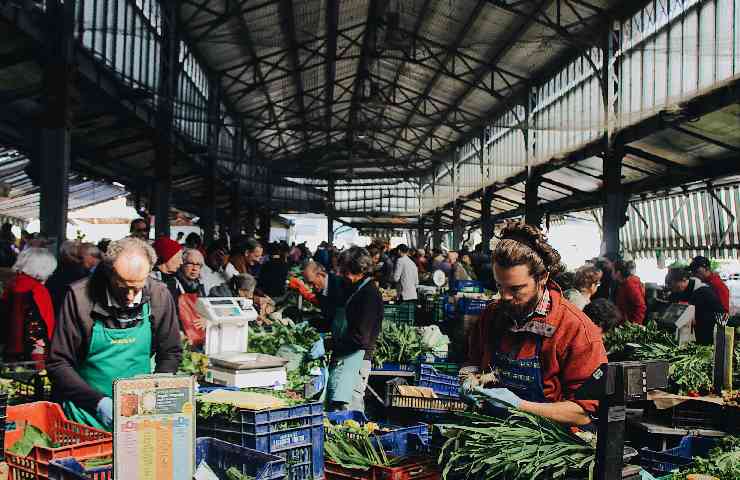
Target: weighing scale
[[247, 370], [615, 385], [227, 322]]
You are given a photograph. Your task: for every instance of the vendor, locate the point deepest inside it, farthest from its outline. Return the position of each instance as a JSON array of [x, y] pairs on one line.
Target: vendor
[[541, 347], [110, 326], [708, 308], [330, 290], [355, 330], [701, 268]]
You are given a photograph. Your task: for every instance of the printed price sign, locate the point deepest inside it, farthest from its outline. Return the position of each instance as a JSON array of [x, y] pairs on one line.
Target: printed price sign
[[154, 428]]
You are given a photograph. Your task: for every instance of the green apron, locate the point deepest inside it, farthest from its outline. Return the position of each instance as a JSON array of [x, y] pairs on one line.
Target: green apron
[[113, 354], [344, 371]]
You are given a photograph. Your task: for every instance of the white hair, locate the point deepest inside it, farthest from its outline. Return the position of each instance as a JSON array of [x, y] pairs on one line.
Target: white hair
[[188, 252], [36, 262], [129, 244], [69, 249]]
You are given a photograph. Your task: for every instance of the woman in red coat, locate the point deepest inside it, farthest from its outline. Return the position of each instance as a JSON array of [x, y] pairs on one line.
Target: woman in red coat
[[29, 311], [630, 295]]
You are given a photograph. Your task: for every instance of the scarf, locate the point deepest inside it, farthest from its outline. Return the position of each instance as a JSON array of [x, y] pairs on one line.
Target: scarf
[[190, 286]]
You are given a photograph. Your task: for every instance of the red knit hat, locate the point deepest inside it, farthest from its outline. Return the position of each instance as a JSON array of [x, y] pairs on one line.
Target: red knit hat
[[166, 248]]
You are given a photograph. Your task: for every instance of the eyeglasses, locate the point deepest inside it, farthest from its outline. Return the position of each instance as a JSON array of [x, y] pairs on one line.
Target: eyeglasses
[[192, 264]]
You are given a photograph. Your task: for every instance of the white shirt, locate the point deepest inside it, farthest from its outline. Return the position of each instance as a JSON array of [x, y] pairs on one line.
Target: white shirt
[[211, 278], [112, 302], [406, 275]]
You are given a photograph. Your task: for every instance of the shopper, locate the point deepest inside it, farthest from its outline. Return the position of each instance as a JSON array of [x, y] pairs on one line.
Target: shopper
[[8, 249], [69, 271], [608, 284], [330, 292], [217, 269], [90, 257], [467, 264], [708, 308], [586, 282], [139, 228], [701, 268], [169, 261], [274, 273], [28, 318], [244, 285], [604, 314], [542, 347], [355, 330], [406, 275], [110, 327], [457, 271], [189, 290], [630, 292]]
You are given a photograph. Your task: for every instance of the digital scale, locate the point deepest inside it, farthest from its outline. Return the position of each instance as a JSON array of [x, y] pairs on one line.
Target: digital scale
[[247, 370], [227, 323]]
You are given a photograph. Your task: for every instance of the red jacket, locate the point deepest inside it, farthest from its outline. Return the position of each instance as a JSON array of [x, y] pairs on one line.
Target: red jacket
[[26, 299], [720, 289], [571, 351], [630, 299]]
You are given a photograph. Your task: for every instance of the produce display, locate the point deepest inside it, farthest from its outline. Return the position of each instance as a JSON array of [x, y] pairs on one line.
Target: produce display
[[723, 462], [351, 445], [521, 447], [389, 294], [399, 343], [32, 437], [616, 340], [193, 363]]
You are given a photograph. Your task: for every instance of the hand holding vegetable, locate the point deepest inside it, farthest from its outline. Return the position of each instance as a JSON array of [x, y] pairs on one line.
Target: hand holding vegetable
[[499, 397]]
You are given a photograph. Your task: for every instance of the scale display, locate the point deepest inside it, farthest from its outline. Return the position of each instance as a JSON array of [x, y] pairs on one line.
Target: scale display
[[154, 428]]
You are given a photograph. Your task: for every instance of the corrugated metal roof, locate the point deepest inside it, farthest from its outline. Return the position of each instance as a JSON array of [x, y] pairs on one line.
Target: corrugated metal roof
[[22, 202]]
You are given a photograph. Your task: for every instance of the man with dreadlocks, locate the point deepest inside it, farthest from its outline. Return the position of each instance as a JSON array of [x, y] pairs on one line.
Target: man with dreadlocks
[[534, 346]]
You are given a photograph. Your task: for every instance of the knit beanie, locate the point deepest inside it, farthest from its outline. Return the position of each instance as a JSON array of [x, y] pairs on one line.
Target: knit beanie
[[166, 248]]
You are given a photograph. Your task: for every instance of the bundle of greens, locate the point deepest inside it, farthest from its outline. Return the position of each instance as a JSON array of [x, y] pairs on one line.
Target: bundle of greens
[[193, 363], [32, 437], [722, 462], [352, 447], [521, 447], [616, 340], [399, 344], [689, 366]]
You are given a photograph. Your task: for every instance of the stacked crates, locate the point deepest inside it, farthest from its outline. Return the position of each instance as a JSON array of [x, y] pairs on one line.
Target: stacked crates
[[400, 313], [294, 433]]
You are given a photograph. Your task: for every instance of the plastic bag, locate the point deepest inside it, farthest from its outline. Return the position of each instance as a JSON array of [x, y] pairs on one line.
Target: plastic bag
[[433, 338]]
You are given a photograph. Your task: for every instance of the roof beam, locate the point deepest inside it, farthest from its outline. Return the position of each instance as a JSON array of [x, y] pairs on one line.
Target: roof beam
[[287, 25], [664, 162], [507, 45], [330, 74], [472, 17]]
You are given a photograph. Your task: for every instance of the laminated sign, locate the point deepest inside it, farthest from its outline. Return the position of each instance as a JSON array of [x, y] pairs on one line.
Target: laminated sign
[[154, 428]]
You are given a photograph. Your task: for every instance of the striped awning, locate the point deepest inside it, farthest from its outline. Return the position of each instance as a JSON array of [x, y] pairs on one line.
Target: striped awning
[[702, 222]]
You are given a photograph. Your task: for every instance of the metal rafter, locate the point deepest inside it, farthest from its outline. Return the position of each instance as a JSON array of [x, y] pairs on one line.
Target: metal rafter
[[480, 4], [500, 53], [287, 25], [330, 74]]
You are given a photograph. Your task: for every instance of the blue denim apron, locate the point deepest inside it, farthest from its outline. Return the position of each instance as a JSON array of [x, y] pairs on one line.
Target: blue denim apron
[[522, 376]]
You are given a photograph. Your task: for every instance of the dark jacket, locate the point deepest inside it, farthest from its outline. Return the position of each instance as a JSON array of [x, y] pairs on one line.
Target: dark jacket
[[273, 276], [364, 321], [86, 302], [65, 275], [335, 297], [708, 307]]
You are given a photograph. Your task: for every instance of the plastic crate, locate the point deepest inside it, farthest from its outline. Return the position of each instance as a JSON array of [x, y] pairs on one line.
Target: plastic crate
[[467, 286], [403, 312], [71, 469], [394, 399], [29, 384], [663, 463], [441, 383], [76, 440], [221, 456], [3, 415], [294, 433], [470, 306], [395, 367], [399, 441], [690, 414], [410, 469]]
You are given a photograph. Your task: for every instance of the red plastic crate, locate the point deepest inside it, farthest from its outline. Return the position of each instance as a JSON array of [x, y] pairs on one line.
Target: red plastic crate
[[410, 469], [76, 440]]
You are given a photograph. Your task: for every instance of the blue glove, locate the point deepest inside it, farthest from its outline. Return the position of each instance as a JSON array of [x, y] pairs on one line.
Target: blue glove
[[317, 349], [105, 411], [466, 391], [499, 397]]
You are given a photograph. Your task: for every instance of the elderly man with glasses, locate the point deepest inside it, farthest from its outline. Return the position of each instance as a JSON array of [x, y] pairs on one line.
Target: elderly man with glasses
[[189, 289]]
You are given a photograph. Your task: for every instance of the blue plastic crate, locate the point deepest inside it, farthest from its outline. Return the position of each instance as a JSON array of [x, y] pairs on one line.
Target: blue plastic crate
[[665, 462], [471, 306], [71, 469], [236, 426], [467, 286], [395, 367], [221, 456], [442, 384], [400, 441]]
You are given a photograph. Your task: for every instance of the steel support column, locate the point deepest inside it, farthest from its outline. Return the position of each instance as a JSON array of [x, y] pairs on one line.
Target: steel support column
[[250, 226], [437, 230], [330, 212], [235, 226], [421, 235], [532, 212], [615, 202], [485, 218], [265, 219], [209, 209], [54, 142], [168, 73], [457, 226]]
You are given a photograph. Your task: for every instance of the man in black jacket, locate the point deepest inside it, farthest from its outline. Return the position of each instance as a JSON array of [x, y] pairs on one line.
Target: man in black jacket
[[70, 270], [330, 293], [109, 327], [686, 289]]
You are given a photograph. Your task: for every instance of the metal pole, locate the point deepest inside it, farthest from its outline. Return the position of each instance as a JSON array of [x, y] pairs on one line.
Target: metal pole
[[485, 218], [330, 211]]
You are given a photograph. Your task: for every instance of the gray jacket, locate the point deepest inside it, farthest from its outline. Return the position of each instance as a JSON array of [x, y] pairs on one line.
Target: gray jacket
[[87, 301]]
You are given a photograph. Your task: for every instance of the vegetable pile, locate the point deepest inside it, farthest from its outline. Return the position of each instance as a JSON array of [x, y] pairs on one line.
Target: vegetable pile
[[193, 363], [723, 462], [617, 339], [399, 344], [521, 447], [32, 437], [352, 445]]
